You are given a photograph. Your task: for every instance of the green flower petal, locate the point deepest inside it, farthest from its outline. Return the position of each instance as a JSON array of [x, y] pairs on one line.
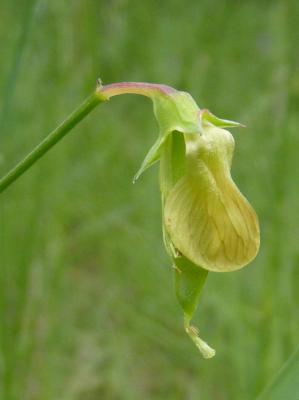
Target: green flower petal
[[207, 218]]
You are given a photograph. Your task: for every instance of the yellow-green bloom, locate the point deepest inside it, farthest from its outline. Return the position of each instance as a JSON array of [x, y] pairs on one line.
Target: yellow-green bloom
[[208, 225], [206, 217]]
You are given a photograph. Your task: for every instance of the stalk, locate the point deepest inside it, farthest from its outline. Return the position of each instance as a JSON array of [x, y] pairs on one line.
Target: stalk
[[101, 94], [55, 136]]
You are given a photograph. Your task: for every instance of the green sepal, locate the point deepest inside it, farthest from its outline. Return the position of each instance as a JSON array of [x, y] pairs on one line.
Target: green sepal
[[151, 158], [207, 117], [175, 112], [189, 280], [172, 162]]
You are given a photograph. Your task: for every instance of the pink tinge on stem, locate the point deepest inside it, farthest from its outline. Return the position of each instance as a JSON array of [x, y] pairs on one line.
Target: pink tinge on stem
[[141, 88]]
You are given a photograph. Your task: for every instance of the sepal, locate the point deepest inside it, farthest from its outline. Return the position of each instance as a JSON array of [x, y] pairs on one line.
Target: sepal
[[151, 158], [189, 281], [207, 118], [175, 112]]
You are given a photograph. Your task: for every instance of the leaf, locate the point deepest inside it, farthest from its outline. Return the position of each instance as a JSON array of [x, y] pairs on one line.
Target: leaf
[[285, 385]]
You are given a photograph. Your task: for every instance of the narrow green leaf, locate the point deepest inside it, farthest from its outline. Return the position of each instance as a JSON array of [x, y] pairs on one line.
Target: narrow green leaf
[[285, 386]]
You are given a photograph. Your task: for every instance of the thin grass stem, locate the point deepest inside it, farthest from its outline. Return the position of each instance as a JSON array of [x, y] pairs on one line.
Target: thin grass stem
[[55, 136]]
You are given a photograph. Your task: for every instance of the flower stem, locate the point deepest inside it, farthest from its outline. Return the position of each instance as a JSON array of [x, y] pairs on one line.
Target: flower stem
[[101, 94], [141, 88], [55, 136]]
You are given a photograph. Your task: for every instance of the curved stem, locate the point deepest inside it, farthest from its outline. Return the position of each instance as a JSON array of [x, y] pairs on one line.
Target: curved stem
[[101, 94], [142, 88], [55, 136]]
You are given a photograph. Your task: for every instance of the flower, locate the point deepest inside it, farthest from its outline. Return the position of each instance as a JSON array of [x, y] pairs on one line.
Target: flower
[[206, 217], [208, 225]]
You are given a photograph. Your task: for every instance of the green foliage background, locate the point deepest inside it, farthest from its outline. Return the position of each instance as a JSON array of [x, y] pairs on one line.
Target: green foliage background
[[86, 294]]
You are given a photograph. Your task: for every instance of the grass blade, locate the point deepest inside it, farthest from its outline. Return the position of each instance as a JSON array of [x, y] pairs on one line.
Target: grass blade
[[286, 384]]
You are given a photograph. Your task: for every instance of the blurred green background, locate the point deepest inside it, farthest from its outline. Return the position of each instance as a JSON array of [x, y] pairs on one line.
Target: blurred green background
[[86, 294]]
